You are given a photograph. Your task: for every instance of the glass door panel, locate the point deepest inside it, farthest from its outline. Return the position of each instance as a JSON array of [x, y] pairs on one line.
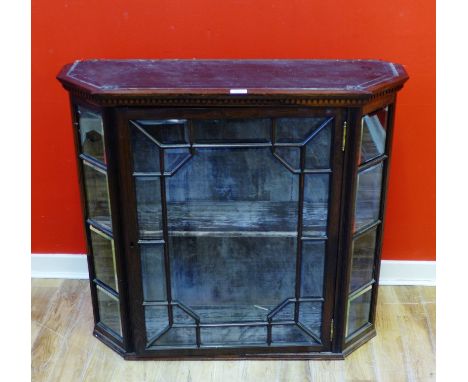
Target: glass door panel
[[221, 224]]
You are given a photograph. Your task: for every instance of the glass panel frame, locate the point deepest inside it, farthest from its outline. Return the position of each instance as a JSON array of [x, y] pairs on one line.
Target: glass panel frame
[[365, 309], [99, 266], [97, 199], [91, 134], [106, 300]]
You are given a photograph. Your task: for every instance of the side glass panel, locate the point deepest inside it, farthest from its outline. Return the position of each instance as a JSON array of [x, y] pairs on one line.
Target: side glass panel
[[97, 195], [109, 310], [369, 187], [358, 312], [373, 135], [91, 134], [363, 254], [231, 216], [104, 258]]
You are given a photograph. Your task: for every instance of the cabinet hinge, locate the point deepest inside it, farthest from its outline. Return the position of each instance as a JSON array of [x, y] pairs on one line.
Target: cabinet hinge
[[343, 143], [332, 324]]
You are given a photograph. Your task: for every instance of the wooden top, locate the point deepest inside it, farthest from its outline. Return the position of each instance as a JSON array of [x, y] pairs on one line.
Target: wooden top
[[235, 78]]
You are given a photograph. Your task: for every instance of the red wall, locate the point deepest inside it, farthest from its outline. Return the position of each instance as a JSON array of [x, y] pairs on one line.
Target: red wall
[[401, 31]]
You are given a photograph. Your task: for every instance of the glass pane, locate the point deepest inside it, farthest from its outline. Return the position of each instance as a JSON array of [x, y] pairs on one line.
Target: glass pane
[[358, 312], [318, 150], [145, 152], [156, 321], [290, 155], [165, 132], [109, 310], [369, 185], [233, 335], [313, 267], [296, 130], [315, 217], [290, 334], [363, 260], [233, 191], [231, 131], [177, 336], [91, 134], [373, 135], [97, 195], [232, 279], [310, 315], [152, 272], [173, 158], [104, 258], [148, 197]]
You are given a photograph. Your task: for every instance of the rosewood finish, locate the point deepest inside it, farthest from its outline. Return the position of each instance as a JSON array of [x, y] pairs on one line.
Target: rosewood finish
[[233, 208]]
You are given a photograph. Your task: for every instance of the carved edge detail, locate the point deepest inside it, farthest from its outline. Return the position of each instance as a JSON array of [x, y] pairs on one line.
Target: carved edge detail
[[171, 100]]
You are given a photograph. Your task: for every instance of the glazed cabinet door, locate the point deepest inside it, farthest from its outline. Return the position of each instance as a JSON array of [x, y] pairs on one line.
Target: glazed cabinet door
[[232, 237]]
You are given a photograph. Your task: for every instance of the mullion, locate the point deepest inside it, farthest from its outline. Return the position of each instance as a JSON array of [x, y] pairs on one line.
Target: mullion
[[100, 227], [372, 162], [363, 230], [360, 291], [106, 289], [93, 163]]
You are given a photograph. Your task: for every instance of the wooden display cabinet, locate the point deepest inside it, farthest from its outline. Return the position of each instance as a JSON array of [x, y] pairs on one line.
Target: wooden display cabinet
[[233, 208]]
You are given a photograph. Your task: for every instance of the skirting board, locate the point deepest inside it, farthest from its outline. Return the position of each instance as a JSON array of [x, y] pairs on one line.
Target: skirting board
[[392, 272]]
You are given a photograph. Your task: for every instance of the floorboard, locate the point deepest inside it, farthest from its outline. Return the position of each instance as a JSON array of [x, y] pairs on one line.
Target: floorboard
[[63, 348]]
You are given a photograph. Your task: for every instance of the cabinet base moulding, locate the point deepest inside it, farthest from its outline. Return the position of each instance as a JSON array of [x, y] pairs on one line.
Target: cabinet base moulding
[[392, 272]]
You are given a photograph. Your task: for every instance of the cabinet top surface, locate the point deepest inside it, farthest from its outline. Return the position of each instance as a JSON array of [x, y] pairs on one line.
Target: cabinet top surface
[[255, 77]]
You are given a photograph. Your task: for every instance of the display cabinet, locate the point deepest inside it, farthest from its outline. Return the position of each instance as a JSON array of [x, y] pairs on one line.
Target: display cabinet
[[233, 208]]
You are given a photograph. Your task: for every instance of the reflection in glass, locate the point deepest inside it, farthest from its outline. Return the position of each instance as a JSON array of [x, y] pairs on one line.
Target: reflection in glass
[[233, 190], [313, 267], [315, 217], [177, 336], [91, 134], [296, 130], [97, 195], [148, 197], [145, 152], [291, 156], [233, 335], [232, 279], [373, 135], [310, 315], [156, 321], [109, 310], [152, 272], [231, 131], [358, 312], [288, 334], [318, 149], [104, 258], [363, 260], [369, 186], [165, 132]]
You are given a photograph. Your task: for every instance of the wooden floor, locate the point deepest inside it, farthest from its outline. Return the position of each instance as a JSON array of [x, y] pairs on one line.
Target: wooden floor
[[63, 348]]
